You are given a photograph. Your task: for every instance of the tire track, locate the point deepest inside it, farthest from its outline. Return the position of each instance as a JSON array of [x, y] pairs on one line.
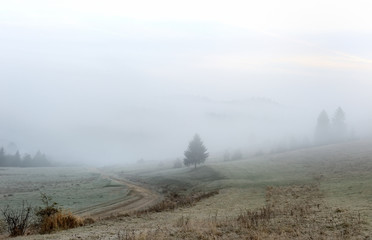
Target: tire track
[[139, 198]]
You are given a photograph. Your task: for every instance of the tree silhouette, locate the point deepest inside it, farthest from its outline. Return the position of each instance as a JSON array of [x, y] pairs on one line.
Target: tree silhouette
[[2, 157], [196, 153], [17, 159], [27, 161], [322, 131], [339, 125], [9, 160]]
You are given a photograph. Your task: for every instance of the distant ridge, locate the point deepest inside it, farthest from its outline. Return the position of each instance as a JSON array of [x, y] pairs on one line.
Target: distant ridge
[[252, 100]]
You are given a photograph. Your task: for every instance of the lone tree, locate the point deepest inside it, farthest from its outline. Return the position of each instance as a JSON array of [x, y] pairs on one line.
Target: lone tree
[[196, 153]]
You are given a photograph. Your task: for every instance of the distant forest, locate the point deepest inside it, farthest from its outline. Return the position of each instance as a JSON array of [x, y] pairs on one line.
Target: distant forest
[[9, 160]]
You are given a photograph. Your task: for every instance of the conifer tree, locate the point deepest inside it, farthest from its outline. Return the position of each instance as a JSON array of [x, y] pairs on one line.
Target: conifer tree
[[339, 125], [196, 153], [323, 129]]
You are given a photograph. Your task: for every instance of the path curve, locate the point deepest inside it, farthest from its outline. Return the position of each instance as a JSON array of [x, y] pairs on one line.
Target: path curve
[[139, 197]]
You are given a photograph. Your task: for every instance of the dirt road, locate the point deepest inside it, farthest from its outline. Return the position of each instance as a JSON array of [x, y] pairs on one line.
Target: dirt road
[[139, 197]]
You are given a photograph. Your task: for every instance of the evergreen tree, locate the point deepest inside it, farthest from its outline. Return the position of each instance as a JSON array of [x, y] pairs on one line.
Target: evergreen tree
[[27, 161], [40, 160], [10, 160], [339, 127], [196, 152], [323, 129], [2, 157], [16, 160]]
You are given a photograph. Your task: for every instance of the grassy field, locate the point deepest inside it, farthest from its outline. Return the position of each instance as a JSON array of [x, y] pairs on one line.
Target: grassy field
[[342, 172], [314, 193], [72, 188]]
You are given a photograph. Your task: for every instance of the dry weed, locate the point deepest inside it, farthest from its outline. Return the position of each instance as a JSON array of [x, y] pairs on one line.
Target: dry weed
[[60, 221], [17, 221]]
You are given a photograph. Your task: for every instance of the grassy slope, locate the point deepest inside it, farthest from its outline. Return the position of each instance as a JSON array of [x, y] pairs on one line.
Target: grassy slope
[[343, 171]]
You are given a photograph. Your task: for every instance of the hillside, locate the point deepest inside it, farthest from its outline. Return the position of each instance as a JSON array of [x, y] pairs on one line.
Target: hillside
[[321, 192]]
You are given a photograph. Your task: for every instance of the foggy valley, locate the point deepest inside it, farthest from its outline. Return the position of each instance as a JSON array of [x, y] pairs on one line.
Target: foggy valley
[[185, 120]]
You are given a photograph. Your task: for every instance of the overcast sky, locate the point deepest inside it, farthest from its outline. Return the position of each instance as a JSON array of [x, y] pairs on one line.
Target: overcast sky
[[114, 81]]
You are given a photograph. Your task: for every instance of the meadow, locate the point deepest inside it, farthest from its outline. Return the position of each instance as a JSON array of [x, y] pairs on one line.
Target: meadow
[[315, 193], [341, 173], [72, 188]]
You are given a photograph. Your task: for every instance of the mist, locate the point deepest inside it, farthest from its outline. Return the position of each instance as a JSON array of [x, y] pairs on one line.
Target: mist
[[96, 86]]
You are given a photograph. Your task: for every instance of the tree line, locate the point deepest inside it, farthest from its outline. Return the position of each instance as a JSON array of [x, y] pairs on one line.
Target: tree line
[[331, 130], [16, 160], [327, 131]]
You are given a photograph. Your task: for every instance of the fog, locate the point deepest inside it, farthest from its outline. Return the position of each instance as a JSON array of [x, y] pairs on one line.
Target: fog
[[110, 83]]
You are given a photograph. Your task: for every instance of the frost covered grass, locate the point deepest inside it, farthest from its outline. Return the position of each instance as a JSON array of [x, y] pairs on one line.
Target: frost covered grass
[[343, 172], [72, 188], [319, 193]]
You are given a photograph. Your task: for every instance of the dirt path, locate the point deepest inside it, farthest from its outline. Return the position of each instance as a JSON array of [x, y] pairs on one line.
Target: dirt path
[[139, 197]]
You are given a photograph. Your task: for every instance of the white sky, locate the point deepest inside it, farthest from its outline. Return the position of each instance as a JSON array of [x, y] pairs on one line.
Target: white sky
[[286, 15], [285, 21], [74, 63]]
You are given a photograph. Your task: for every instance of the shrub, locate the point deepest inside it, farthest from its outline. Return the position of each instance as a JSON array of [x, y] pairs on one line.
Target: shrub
[[49, 207], [52, 218], [60, 221], [17, 220]]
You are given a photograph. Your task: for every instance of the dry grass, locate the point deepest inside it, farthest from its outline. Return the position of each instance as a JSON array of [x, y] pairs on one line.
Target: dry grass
[[298, 212], [292, 212], [51, 218], [174, 200], [60, 221], [156, 234]]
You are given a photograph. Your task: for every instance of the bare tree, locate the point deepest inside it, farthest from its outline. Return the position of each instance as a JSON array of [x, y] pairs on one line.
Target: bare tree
[[17, 220]]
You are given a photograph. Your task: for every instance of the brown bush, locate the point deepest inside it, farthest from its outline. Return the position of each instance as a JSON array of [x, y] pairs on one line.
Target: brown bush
[[60, 221], [52, 218]]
